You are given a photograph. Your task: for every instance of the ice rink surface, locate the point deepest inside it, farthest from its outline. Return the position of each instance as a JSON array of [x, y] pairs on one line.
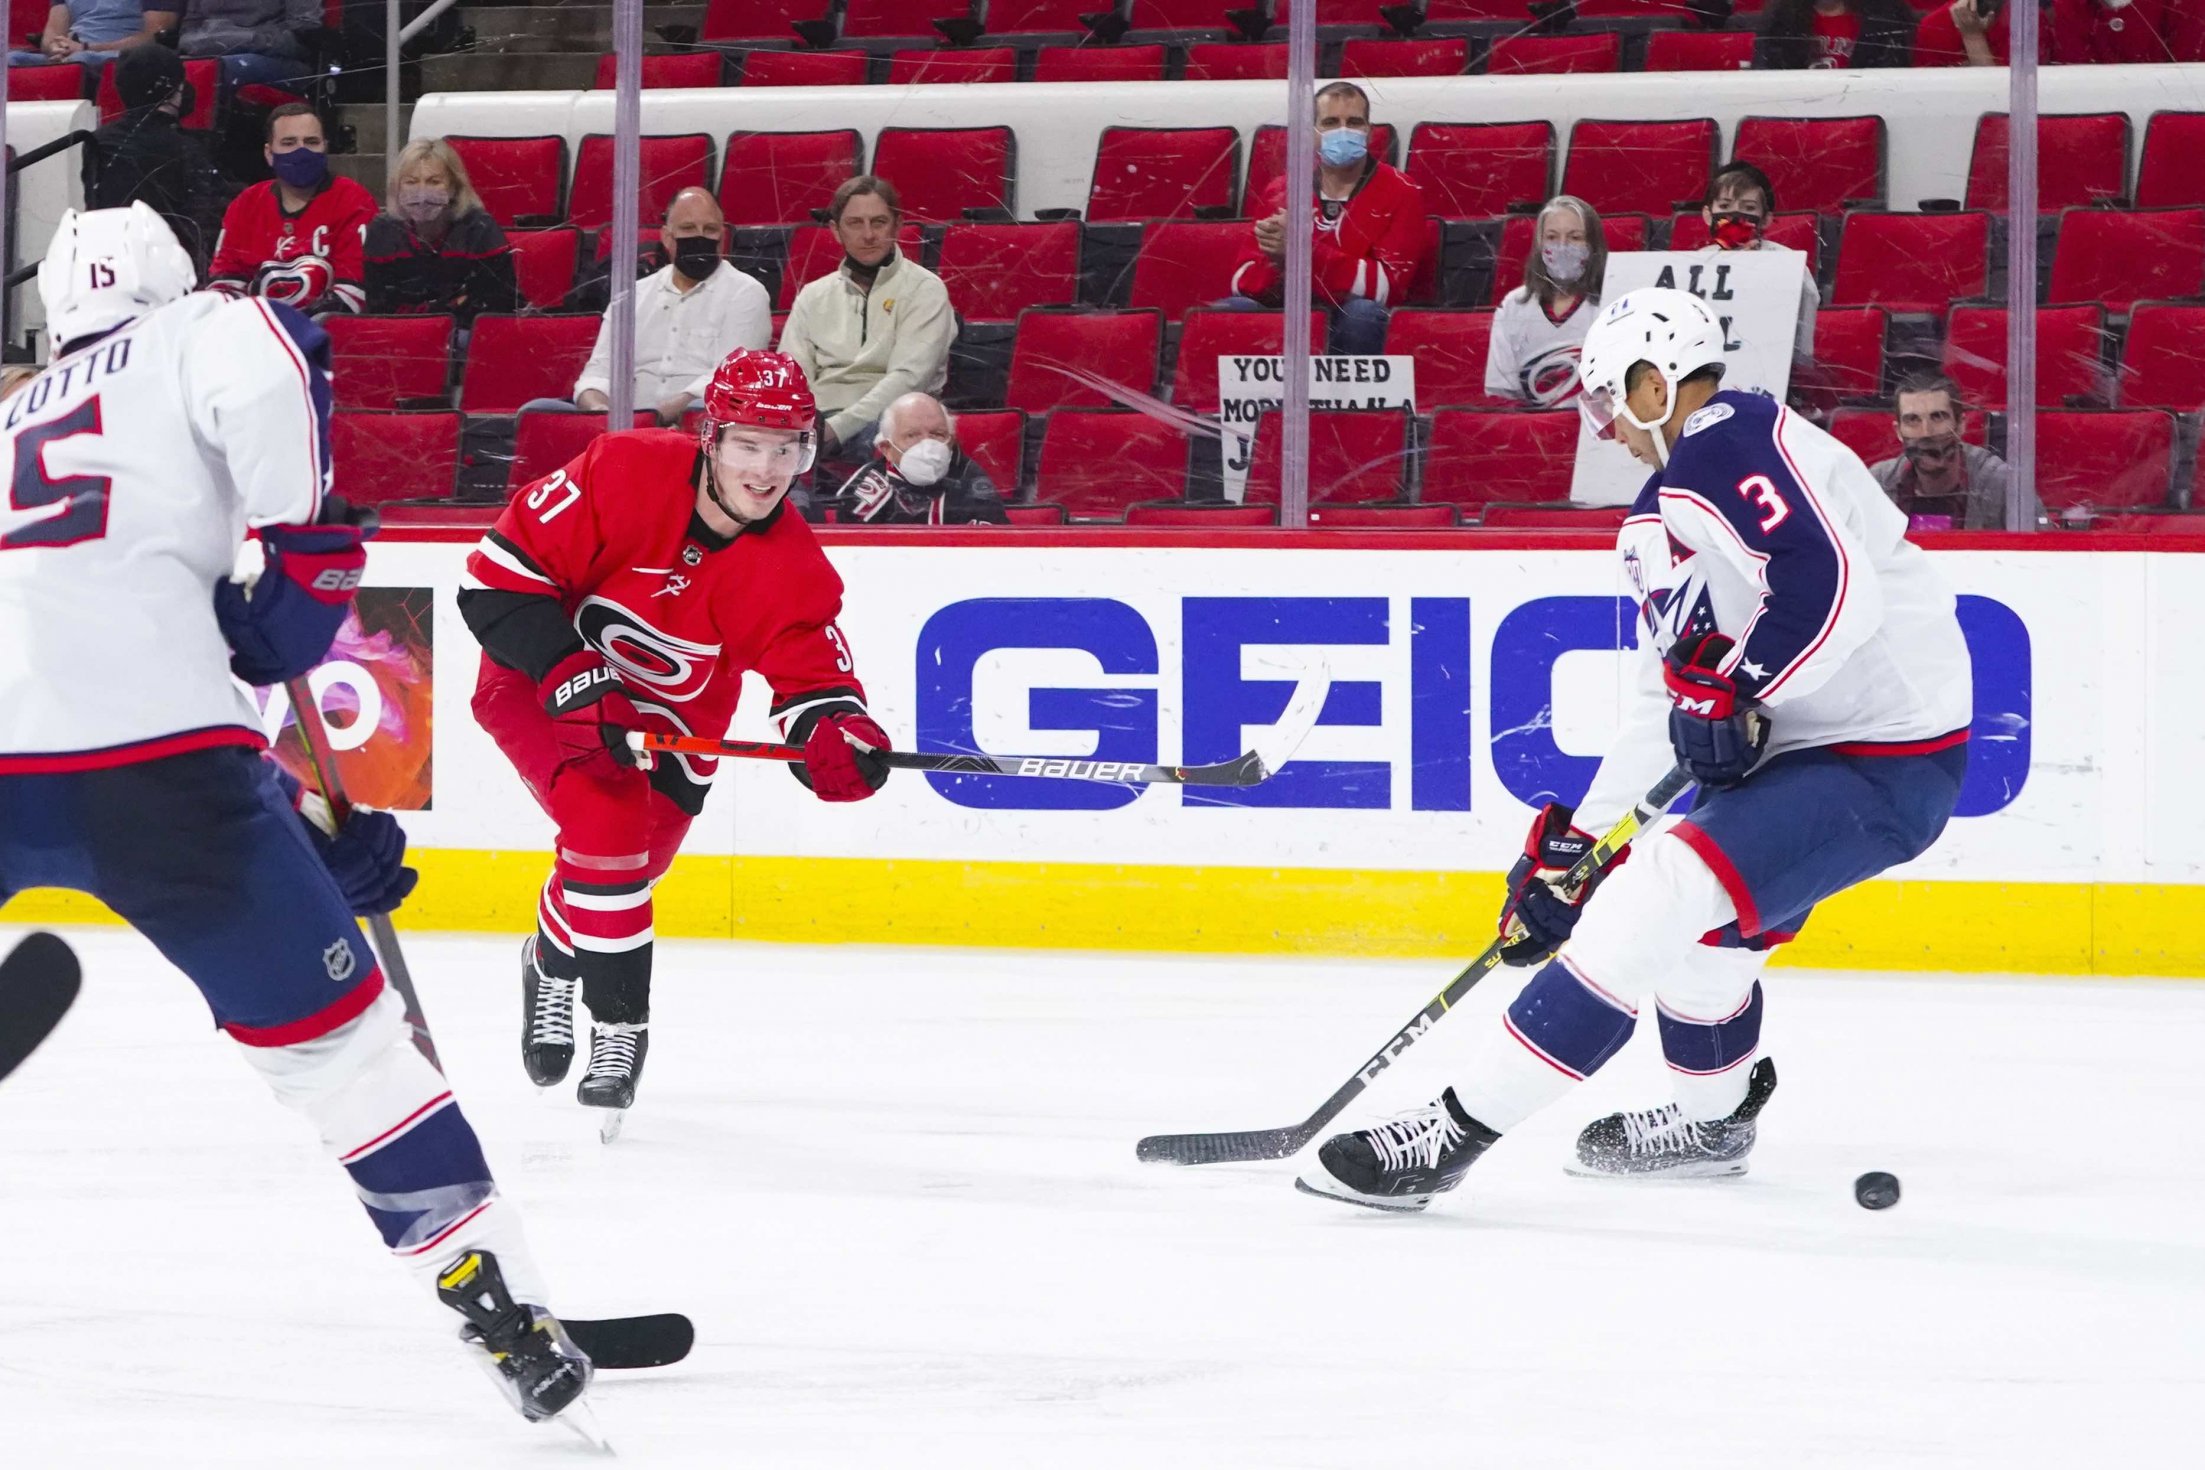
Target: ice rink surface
[[896, 1190]]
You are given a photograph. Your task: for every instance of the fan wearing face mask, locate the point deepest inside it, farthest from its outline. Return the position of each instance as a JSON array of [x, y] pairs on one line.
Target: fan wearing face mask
[[1942, 483], [918, 476], [1740, 203], [437, 249], [1540, 327], [298, 238]]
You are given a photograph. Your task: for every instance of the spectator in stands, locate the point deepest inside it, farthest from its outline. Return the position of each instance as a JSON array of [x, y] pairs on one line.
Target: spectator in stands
[[93, 32], [437, 250], [917, 475], [296, 238], [259, 41], [689, 315], [144, 153], [1369, 231], [2069, 32], [1941, 483], [1531, 356], [878, 327], [1739, 205], [1842, 35]]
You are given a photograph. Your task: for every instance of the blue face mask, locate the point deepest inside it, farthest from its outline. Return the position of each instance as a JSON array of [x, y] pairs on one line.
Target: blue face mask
[[1343, 146], [302, 168]]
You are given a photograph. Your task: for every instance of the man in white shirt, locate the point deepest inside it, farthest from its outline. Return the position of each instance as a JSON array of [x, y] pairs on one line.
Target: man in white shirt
[[688, 317]]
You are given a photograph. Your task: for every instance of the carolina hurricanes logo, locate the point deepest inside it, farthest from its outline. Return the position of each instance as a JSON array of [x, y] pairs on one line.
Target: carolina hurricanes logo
[[671, 668], [1551, 376]]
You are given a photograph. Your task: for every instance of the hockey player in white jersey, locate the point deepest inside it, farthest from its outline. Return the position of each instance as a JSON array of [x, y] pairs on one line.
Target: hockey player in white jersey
[[1804, 664], [168, 425]]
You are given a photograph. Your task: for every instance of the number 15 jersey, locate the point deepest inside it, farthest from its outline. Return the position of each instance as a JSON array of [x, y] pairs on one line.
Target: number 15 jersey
[[138, 461]]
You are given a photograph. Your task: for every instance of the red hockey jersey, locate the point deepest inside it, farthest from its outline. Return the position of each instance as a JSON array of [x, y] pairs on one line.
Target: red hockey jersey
[[614, 543], [1370, 247], [314, 260]]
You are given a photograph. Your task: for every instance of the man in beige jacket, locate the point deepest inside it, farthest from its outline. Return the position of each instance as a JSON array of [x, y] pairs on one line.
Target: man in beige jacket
[[879, 327]]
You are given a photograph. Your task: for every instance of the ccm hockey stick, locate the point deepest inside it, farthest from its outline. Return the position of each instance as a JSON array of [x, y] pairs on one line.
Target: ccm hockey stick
[[1279, 1143], [39, 981]]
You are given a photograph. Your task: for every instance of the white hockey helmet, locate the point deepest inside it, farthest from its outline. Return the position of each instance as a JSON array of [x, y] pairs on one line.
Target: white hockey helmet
[[105, 267], [1669, 328]]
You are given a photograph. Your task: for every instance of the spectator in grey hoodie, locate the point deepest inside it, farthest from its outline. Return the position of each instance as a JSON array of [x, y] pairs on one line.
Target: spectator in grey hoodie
[[259, 41]]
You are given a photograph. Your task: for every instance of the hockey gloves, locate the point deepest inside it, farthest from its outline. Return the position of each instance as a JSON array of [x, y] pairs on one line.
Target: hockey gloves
[[1715, 731], [590, 712], [282, 624], [367, 857], [841, 760], [1536, 898]]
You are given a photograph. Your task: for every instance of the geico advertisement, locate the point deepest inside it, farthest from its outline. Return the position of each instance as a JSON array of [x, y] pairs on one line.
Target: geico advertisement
[[1464, 689]]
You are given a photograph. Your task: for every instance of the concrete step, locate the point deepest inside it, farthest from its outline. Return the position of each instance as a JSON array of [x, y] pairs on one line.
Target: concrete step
[[368, 169], [491, 71], [366, 119], [565, 26]]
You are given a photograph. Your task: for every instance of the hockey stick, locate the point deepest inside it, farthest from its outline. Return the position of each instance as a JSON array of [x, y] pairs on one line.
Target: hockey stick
[[380, 930], [1259, 763], [650, 1341], [39, 981], [1279, 1143]]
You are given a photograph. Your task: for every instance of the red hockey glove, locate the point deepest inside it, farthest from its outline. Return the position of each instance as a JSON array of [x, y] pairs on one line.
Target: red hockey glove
[[1536, 898], [590, 711], [840, 759], [282, 626], [1712, 727]]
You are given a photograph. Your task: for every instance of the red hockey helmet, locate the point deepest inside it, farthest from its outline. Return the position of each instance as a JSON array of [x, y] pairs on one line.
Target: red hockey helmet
[[763, 389]]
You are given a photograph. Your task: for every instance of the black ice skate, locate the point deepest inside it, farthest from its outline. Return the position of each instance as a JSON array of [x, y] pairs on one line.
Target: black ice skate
[[535, 1363], [547, 1021], [616, 1066], [1401, 1164], [1661, 1143]]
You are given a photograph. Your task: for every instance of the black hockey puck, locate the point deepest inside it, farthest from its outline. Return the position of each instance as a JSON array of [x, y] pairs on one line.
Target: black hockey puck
[[1877, 1190]]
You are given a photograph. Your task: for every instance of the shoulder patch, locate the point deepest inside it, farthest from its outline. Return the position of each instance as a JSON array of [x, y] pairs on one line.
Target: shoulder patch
[[1713, 414]]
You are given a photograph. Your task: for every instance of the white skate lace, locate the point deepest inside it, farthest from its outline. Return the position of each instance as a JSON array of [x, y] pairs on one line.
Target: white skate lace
[[1663, 1130], [553, 1023], [612, 1051], [1416, 1138]]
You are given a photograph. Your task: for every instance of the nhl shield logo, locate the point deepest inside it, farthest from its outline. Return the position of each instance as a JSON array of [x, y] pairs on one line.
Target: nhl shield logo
[[691, 555], [340, 961]]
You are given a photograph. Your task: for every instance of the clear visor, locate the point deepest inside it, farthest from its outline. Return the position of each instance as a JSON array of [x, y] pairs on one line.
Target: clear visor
[[746, 454], [1598, 406]]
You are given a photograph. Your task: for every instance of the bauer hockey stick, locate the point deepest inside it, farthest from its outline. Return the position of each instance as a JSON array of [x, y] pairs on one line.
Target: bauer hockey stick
[[39, 981], [315, 737], [1279, 1143]]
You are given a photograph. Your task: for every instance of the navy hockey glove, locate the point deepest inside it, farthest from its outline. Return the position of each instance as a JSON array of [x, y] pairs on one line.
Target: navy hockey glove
[[1536, 900], [1715, 731], [367, 857], [590, 711], [282, 625]]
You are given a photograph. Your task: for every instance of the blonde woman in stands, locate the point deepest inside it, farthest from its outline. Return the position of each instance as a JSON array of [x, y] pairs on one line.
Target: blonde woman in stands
[[436, 249], [1540, 326]]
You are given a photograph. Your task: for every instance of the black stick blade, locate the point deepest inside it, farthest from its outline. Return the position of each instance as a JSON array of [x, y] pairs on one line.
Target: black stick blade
[[633, 1342], [1222, 1148], [39, 981]]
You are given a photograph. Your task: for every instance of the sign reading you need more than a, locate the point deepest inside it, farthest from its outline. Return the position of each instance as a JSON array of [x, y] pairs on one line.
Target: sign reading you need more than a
[[1250, 387]]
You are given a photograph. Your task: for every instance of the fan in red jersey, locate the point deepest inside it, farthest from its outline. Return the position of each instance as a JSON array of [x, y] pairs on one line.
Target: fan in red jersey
[[631, 590]]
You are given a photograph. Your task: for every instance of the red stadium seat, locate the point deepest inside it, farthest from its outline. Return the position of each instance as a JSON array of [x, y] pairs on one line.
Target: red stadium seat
[[2082, 158], [1178, 15], [2111, 457], [899, 17], [1099, 63], [1873, 433], [2168, 173], [376, 361], [1331, 13], [1515, 55], [805, 69], [953, 67], [1912, 262], [757, 20], [1236, 61], [380, 457], [511, 359], [1097, 461], [780, 178], [1553, 517], [1453, 12], [1040, 513], [994, 272], [670, 164], [544, 262], [942, 172], [1163, 173], [814, 252], [1267, 155], [1849, 351], [1212, 516], [995, 439], [1117, 347], [2121, 257], [1355, 456], [1521, 231], [2147, 523], [1212, 332], [1481, 170], [1040, 17], [62, 81], [2070, 355], [542, 442], [1647, 167], [1187, 263], [1699, 51], [1799, 232], [1449, 348], [1475, 457], [519, 179], [2163, 360], [1418, 56], [1381, 517], [685, 69], [1825, 165]]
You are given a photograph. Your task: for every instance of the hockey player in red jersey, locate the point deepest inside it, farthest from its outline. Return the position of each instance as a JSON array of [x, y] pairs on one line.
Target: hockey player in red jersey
[[299, 238], [631, 590]]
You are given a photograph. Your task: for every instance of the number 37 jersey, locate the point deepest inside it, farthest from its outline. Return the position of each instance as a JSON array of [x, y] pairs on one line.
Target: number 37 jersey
[[137, 463]]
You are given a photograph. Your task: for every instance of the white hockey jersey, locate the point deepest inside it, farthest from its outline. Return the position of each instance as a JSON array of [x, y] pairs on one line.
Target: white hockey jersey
[[1766, 529], [1532, 355], [139, 462]]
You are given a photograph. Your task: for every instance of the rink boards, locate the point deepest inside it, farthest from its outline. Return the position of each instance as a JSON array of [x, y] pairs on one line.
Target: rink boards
[[1470, 680]]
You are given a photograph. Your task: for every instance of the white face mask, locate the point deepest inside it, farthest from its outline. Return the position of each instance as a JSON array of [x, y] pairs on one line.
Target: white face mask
[[925, 462]]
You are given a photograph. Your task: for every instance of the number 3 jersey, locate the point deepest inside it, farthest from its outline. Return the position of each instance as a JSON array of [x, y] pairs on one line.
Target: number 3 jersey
[[611, 552], [139, 460], [1767, 530]]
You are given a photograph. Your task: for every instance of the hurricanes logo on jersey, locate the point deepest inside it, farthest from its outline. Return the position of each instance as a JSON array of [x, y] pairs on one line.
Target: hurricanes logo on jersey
[[672, 668], [1551, 376]]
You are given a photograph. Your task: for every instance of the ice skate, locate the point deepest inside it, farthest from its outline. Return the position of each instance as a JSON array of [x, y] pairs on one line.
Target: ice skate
[[616, 1066], [1400, 1164], [535, 1363], [547, 1020], [1661, 1143]]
